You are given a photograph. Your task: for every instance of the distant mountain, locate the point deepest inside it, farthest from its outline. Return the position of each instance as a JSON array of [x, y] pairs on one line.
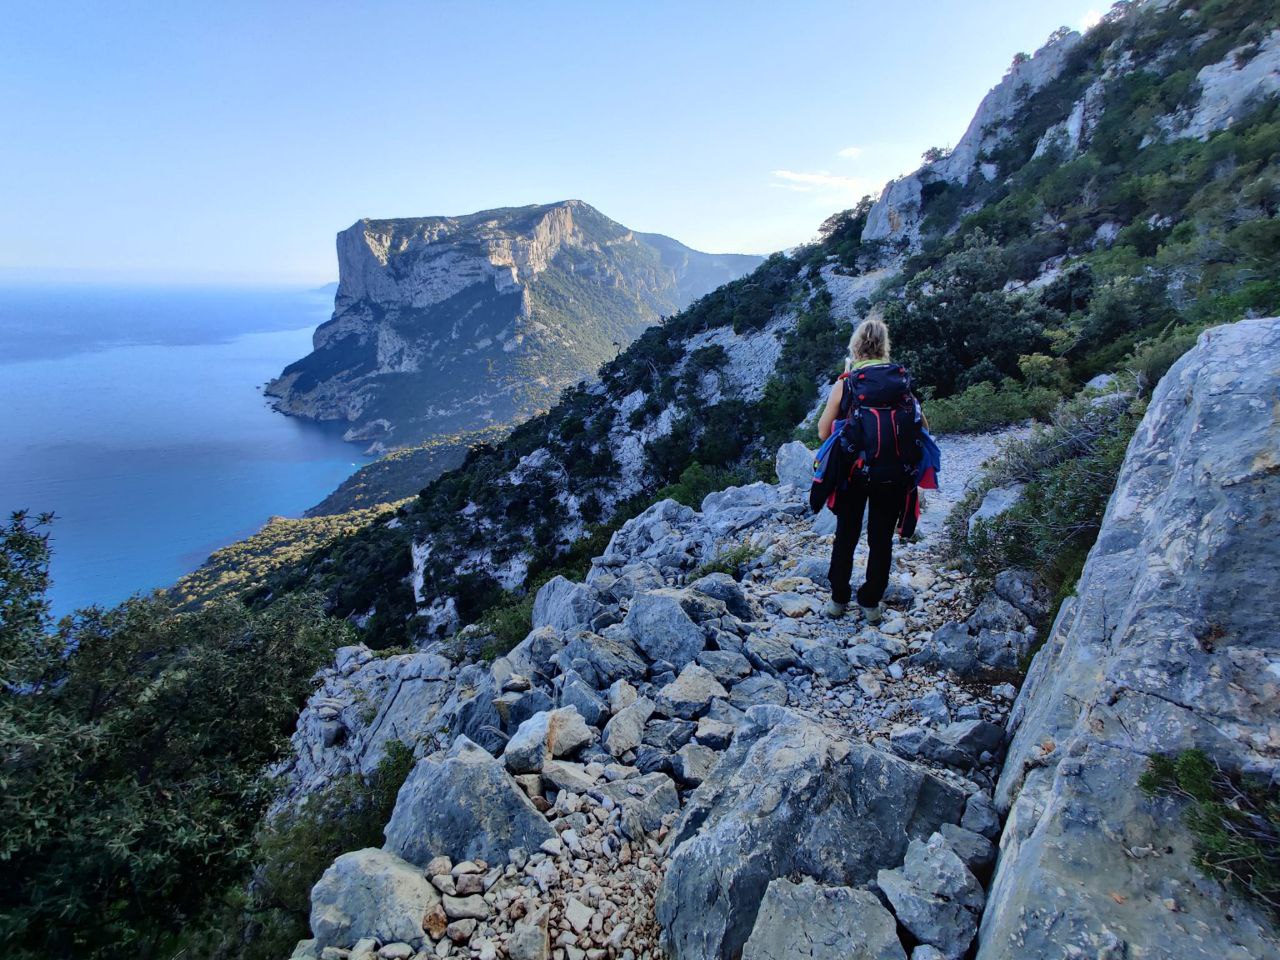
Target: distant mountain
[[444, 325]]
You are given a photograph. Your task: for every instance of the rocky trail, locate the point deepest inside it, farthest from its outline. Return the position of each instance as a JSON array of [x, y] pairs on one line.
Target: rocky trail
[[664, 743]]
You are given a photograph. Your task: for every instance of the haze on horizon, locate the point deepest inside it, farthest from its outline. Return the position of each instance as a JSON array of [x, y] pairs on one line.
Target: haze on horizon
[[228, 143]]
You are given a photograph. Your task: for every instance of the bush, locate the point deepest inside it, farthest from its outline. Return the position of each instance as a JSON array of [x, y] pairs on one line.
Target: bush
[[268, 918], [733, 561], [986, 406], [135, 740], [1236, 822], [1069, 468]]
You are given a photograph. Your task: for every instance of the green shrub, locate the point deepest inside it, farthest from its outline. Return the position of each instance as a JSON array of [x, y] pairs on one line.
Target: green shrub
[[733, 561], [986, 406], [135, 739], [1069, 467], [1236, 822], [292, 851]]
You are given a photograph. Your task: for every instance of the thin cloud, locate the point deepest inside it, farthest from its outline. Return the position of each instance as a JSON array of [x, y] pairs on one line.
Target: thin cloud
[[1090, 19], [850, 153], [819, 180]]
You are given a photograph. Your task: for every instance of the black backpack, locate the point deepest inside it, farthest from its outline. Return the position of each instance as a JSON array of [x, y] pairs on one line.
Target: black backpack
[[880, 440]]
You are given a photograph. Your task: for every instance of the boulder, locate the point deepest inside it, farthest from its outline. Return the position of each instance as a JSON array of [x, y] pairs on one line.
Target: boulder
[[975, 851], [625, 731], [1024, 591], [996, 613], [566, 775], [794, 464], [544, 736], [603, 658], [577, 693], [693, 762], [668, 735], [715, 734], [815, 569], [565, 606], [961, 744], [470, 710], [517, 706], [644, 801], [662, 627], [463, 806], [758, 689], [787, 798], [722, 587], [809, 921], [370, 893], [689, 695], [727, 666], [1169, 644], [830, 662], [621, 694], [768, 652], [935, 897], [997, 500], [535, 654]]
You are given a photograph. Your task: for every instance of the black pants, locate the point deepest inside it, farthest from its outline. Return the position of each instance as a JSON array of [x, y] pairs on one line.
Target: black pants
[[883, 502]]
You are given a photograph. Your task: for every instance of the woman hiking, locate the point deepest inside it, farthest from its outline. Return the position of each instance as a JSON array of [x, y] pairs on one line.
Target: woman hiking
[[881, 446]]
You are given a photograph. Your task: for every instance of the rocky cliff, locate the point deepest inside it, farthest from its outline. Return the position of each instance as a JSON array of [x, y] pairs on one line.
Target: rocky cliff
[[1169, 644], [448, 324]]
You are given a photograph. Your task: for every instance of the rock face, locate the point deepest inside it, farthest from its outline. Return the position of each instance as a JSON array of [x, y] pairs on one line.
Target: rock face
[[788, 798], [896, 216], [1169, 644], [444, 324]]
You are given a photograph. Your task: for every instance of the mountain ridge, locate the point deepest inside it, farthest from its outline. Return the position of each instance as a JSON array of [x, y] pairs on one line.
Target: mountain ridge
[[449, 324]]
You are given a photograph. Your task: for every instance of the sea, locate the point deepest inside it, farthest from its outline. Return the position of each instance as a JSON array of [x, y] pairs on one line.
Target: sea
[[136, 415]]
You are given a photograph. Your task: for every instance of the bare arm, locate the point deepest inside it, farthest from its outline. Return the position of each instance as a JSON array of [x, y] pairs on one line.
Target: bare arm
[[830, 411]]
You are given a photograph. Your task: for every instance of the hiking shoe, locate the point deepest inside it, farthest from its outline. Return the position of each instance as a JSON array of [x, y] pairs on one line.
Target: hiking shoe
[[873, 614], [835, 610]]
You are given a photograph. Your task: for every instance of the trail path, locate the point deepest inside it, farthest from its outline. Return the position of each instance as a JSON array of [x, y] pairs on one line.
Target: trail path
[[655, 731]]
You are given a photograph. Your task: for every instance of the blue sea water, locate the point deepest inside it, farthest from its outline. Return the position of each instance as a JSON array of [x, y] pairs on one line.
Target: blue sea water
[[136, 416]]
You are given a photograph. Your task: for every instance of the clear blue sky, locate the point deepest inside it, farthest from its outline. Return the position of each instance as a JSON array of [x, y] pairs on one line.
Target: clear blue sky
[[228, 141]]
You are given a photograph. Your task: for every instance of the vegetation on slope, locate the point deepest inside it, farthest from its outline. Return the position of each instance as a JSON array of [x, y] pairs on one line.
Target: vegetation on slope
[[1235, 821], [135, 738]]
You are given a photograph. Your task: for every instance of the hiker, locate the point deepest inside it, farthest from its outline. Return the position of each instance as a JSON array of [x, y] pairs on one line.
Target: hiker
[[880, 423]]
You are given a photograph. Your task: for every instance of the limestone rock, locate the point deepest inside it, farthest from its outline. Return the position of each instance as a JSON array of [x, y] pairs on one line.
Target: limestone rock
[[787, 798], [662, 628], [998, 500], [544, 736], [625, 731], [603, 658], [565, 606], [691, 693], [794, 464], [577, 693], [644, 801], [1166, 646], [935, 896], [758, 689], [808, 921], [693, 762], [463, 806], [370, 893], [722, 587], [535, 654]]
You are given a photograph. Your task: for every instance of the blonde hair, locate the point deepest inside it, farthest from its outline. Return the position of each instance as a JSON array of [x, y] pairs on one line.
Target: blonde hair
[[871, 340]]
